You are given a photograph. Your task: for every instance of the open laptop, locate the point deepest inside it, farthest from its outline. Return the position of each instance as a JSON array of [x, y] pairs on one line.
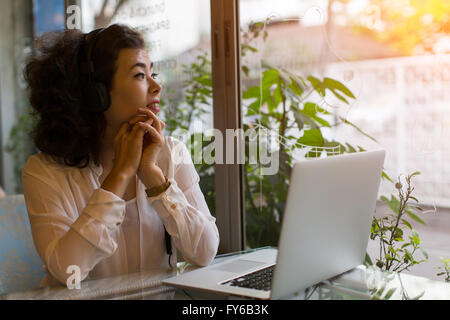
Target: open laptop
[[325, 231]]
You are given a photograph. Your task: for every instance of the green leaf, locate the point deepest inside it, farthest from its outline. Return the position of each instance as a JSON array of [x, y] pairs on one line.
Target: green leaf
[[367, 260], [361, 149], [390, 293], [252, 92], [416, 240], [294, 86], [253, 108], [311, 109], [323, 122], [246, 46], [385, 176], [398, 233], [276, 99], [204, 80], [337, 95], [409, 255], [270, 77], [380, 291], [246, 70], [425, 254], [312, 137], [317, 85], [394, 204], [350, 148], [258, 24], [336, 85], [406, 245], [358, 129], [298, 117], [406, 223], [415, 217]]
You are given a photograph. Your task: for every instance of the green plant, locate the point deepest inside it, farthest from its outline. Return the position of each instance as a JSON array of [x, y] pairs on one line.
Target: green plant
[[286, 104], [396, 253], [446, 268], [20, 145], [295, 109], [196, 102]]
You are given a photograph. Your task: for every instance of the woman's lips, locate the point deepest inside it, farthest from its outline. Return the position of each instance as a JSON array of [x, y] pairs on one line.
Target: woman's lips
[[154, 108]]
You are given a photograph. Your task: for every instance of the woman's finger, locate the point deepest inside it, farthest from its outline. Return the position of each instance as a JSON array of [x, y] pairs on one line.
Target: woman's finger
[[154, 134], [156, 122], [137, 131], [137, 118], [123, 128]]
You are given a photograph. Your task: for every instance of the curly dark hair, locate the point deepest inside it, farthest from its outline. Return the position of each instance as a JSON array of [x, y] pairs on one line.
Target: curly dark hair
[[65, 129]]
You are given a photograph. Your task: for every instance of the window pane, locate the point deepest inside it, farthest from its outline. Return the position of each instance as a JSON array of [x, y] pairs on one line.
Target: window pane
[[328, 77], [22, 22], [48, 16], [283, 106], [177, 36]]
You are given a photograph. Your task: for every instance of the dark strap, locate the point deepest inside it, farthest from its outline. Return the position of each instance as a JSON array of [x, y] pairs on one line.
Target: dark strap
[[168, 243]]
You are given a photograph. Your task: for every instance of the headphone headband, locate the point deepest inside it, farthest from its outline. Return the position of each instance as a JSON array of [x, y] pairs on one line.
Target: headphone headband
[[90, 40], [95, 93]]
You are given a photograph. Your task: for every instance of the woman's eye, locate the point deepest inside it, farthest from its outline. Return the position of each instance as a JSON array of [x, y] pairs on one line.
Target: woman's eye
[[140, 76], [155, 75]]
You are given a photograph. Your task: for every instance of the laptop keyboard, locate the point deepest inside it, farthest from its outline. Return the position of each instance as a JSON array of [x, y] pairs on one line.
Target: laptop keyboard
[[259, 280]]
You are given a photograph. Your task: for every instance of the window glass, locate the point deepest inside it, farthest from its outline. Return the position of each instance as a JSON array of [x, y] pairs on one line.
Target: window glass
[[330, 77], [48, 16], [22, 21]]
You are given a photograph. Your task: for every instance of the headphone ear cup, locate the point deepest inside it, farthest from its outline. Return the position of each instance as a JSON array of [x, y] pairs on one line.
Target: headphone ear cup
[[96, 97], [103, 96]]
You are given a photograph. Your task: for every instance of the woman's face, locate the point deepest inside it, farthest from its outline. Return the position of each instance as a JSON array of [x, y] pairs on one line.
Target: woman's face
[[133, 87]]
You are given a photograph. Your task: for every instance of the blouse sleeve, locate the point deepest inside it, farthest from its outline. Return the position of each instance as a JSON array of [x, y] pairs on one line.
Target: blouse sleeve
[[185, 214], [62, 240]]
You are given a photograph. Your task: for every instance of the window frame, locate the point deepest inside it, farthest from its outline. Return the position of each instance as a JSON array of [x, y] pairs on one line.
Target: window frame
[[225, 42]]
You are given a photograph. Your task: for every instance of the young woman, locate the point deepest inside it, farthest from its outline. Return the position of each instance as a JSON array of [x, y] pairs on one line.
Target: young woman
[[108, 192]]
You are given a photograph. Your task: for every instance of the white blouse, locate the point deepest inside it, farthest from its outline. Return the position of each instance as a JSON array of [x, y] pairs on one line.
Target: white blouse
[[76, 222]]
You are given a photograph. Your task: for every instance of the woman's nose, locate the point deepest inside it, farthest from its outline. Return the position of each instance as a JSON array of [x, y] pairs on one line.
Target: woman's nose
[[154, 87]]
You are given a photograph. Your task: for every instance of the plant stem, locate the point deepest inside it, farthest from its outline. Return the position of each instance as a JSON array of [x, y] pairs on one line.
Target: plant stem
[[249, 195], [400, 213]]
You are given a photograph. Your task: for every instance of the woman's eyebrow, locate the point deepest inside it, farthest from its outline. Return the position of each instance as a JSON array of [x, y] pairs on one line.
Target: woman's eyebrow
[[141, 64]]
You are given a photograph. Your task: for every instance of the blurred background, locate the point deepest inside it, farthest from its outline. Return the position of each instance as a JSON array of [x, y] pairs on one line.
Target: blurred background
[[388, 61]]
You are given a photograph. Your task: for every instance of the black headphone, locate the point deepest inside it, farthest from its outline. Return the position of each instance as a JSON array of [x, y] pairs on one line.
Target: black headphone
[[95, 94]]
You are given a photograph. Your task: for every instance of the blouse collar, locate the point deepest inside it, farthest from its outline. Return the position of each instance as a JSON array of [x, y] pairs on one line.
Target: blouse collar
[[97, 169]]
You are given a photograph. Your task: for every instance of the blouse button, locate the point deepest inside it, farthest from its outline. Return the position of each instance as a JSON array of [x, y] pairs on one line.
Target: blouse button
[[173, 206]]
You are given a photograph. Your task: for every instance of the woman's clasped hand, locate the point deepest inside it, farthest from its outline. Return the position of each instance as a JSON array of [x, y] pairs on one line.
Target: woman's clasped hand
[[137, 145]]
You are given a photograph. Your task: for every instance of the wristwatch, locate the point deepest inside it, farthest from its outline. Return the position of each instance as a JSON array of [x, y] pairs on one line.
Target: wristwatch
[[152, 192]]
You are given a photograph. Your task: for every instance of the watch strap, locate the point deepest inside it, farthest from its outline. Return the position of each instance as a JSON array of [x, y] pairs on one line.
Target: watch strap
[[154, 191]]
